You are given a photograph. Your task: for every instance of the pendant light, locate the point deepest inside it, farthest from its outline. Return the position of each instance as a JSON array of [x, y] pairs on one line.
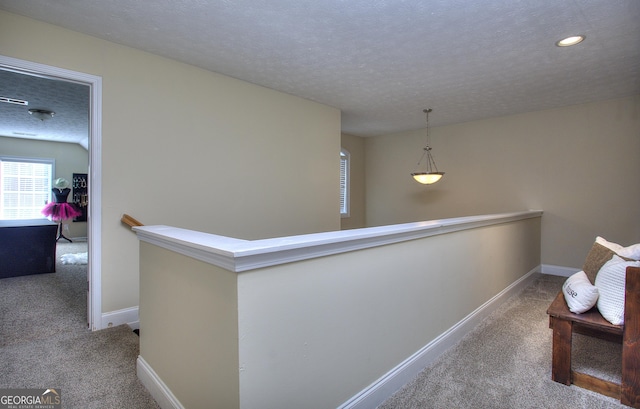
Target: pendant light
[[428, 174]]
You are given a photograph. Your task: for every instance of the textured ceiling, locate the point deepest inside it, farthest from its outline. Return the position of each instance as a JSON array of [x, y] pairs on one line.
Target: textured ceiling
[[69, 101], [382, 61]]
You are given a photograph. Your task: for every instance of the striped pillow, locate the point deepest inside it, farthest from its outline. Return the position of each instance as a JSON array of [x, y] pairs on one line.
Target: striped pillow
[[610, 282]]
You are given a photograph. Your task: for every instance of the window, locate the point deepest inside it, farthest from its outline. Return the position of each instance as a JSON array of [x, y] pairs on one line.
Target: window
[[25, 187], [345, 158]]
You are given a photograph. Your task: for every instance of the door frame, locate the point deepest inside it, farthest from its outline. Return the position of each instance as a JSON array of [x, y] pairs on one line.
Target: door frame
[[94, 224]]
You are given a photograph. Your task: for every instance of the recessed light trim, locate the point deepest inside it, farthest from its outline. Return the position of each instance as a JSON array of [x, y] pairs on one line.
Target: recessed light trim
[[572, 40]]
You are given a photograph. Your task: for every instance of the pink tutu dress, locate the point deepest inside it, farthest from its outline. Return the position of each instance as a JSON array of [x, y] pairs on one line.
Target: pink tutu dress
[[59, 209]]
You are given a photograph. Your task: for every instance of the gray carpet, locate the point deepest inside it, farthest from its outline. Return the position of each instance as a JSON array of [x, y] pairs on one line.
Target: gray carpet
[[45, 343], [505, 362]]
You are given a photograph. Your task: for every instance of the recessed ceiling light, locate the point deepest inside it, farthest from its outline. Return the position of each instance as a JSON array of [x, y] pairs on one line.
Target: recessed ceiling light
[[569, 41]]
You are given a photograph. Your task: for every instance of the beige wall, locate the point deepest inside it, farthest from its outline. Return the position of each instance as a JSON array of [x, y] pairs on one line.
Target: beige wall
[[186, 147], [577, 163], [189, 327], [69, 159], [355, 146]]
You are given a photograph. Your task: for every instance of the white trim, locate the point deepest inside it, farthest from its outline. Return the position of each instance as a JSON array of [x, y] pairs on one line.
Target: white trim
[[558, 270], [347, 182], [158, 389], [243, 255], [95, 204], [94, 302], [382, 389], [127, 316]]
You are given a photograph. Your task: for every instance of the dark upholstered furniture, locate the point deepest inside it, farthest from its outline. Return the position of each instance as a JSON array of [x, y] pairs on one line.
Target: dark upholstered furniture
[[27, 247]]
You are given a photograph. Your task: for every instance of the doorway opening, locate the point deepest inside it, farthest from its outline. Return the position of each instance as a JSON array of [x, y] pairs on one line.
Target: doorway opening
[[94, 142]]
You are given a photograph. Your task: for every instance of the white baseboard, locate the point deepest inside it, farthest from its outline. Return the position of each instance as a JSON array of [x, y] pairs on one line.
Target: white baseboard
[[558, 270], [158, 390], [394, 380], [127, 316]]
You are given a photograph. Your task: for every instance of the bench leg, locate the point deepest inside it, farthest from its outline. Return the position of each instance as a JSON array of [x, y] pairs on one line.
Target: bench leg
[[631, 344], [561, 358]]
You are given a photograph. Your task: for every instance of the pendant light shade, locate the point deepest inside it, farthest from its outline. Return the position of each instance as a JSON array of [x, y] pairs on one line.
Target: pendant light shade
[[427, 178], [428, 173]]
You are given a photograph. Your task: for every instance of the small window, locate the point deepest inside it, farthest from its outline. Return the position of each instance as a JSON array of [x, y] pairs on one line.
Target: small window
[[25, 187], [345, 158]]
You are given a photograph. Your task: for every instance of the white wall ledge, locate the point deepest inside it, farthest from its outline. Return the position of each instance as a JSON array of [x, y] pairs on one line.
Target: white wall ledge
[[243, 255]]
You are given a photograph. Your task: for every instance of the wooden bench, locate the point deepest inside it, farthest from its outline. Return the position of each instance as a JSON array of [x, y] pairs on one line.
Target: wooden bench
[[564, 323]]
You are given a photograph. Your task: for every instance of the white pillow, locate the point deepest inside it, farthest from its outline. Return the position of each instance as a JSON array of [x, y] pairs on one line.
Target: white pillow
[[611, 282], [632, 251], [579, 293]]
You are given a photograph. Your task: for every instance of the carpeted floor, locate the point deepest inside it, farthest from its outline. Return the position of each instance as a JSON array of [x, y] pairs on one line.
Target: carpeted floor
[[41, 305], [505, 362], [45, 343]]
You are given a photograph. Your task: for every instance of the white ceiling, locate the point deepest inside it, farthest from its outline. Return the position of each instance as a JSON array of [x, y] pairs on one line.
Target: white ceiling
[[382, 61]]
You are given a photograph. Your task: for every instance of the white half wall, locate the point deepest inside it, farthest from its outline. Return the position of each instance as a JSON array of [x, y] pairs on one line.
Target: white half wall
[[318, 319], [320, 330]]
